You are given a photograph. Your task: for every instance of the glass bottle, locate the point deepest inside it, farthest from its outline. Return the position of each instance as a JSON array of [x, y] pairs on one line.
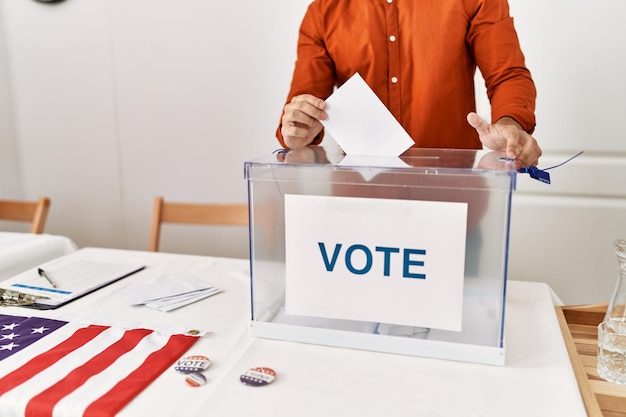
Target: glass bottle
[[616, 311], [612, 331]]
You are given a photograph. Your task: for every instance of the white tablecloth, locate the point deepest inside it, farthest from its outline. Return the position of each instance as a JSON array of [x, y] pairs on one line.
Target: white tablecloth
[[537, 379], [313, 380], [21, 251], [224, 316]]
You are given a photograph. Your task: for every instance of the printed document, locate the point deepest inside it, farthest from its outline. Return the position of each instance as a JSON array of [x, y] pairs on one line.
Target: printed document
[[67, 278]]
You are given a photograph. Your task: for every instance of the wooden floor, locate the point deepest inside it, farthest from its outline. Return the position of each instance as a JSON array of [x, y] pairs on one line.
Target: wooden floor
[[579, 328]]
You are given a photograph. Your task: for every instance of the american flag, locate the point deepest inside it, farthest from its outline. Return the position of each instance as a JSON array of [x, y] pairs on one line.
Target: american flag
[[57, 368]]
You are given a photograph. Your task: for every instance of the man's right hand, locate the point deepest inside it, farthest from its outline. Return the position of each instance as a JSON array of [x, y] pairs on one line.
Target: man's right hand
[[301, 120]]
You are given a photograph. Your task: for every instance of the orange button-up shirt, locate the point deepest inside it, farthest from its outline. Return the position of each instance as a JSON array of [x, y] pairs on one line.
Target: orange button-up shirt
[[419, 57]]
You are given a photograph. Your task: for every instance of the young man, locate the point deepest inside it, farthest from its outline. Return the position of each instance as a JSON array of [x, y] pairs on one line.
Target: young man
[[419, 57]]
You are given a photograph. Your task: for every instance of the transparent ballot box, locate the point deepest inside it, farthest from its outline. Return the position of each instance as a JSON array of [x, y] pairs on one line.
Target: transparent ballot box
[[405, 255]]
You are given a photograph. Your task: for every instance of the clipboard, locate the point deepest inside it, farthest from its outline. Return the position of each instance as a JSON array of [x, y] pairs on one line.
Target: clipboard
[[68, 278]]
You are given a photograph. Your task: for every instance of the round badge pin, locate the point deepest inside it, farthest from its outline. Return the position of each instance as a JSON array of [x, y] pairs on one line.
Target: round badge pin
[[257, 377], [191, 364], [195, 379]]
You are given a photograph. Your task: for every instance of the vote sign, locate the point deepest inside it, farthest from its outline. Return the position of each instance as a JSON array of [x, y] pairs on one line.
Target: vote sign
[[375, 260]]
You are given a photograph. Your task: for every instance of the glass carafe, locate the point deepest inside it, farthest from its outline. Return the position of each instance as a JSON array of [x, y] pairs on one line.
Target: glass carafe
[[612, 331], [616, 312]]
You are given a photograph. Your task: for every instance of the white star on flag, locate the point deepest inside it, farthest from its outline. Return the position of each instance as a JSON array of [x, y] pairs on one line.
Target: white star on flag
[[39, 330], [32, 329], [10, 346]]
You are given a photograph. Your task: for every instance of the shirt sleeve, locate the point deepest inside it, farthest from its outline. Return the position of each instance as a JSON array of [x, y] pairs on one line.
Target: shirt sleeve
[[496, 48], [314, 71]]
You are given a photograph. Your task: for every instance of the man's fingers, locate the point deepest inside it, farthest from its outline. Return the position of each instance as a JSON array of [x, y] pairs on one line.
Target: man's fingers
[[512, 145], [297, 130], [309, 105], [530, 152], [301, 120], [478, 123], [315, 101], [296, 117], [488, 134], [516, 143]]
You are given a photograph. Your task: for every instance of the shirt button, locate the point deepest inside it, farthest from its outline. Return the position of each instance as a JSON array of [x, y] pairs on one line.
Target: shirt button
[[392, 38], [389, 1], [394, 79]]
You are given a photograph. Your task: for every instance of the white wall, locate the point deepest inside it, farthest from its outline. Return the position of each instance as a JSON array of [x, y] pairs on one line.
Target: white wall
[[111, 102], [9, 169], [117, 101], [563, 233]]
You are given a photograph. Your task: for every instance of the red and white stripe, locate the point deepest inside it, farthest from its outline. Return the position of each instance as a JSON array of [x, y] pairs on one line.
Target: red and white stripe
[[95, 371]]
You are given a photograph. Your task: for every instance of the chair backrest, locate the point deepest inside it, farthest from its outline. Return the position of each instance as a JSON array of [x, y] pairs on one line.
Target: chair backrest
[[34, 212], [194, 213]]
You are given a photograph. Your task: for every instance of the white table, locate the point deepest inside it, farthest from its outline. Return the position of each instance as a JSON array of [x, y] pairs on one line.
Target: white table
[[21, 251], [224, 316], [537, 379], [313, 380]]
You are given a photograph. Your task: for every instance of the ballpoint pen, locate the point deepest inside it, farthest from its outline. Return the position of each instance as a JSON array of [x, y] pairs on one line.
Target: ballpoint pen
[[46, 276]]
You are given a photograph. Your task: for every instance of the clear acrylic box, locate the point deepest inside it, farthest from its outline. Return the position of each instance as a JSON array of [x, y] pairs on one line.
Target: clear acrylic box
[[484, 180]]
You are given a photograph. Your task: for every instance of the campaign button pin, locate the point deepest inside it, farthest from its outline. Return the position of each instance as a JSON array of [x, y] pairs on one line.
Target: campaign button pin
[[258, 377], [190, 364], [195, 379]]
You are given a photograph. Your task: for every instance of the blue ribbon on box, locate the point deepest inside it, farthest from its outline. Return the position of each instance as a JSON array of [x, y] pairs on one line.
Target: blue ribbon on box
[[541, 174]]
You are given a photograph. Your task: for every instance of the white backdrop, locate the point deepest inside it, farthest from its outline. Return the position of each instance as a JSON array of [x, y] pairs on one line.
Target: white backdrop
[[106, 103]]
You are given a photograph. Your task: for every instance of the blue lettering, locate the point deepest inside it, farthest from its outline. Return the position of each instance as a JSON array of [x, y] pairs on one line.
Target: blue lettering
[[409, 259], [368, 257], [387, 259], [409, 262], [330, 266]]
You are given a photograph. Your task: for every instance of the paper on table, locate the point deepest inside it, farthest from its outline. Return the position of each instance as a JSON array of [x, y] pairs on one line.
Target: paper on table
[[172, 303], [168, 294], [361, 124], [68, 278]]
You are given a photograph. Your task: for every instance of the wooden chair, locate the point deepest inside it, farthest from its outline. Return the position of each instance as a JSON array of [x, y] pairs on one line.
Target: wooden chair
[[194, 213], [34, 212]]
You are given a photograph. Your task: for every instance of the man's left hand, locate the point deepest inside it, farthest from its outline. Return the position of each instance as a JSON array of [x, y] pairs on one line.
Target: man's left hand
[[507, 135]]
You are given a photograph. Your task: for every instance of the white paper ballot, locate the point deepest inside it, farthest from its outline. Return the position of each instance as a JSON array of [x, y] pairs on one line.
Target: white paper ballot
[[168, 294], [361, 124]]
